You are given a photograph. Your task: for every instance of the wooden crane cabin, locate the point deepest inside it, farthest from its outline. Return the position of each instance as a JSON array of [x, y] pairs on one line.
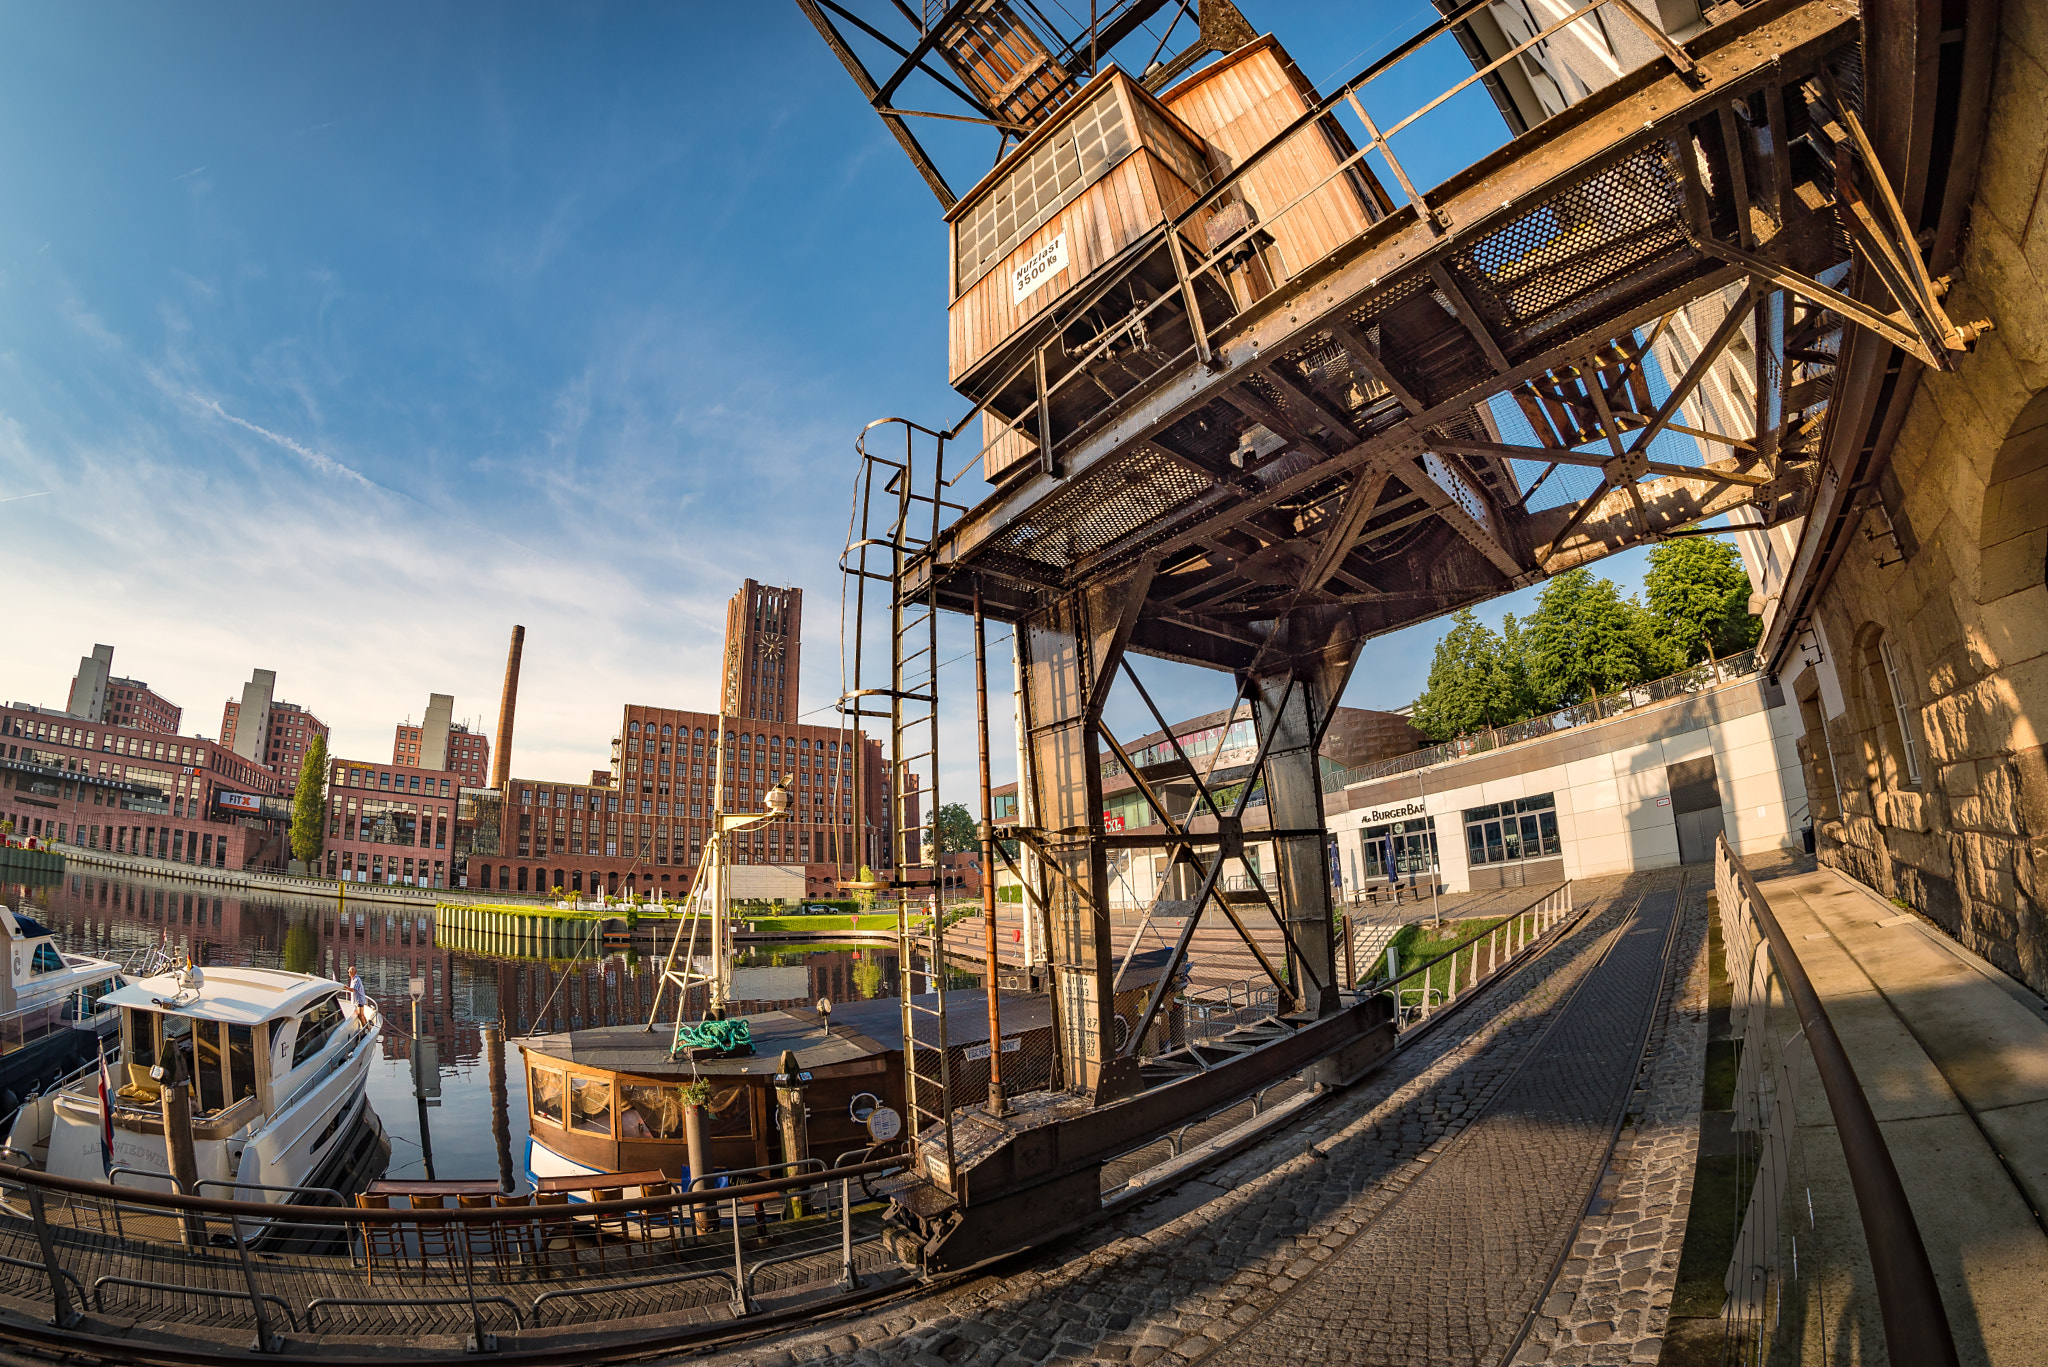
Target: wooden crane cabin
[[1061, 245]]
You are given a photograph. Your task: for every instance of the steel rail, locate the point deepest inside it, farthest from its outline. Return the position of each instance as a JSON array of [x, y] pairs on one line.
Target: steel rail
[[331, 1215], [1916, 1327]]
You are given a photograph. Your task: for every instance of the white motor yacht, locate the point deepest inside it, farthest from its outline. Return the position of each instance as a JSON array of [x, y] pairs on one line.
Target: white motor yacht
[[43, 980], [277, 1061]]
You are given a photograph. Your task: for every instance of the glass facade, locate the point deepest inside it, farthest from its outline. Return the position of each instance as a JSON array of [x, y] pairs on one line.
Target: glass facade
[[1400, 849], [1507, 831]]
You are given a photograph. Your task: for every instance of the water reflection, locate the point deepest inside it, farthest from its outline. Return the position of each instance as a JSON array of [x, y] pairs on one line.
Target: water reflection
[[443, 1122]]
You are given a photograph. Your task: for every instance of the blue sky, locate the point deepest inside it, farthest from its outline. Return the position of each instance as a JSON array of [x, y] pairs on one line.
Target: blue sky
[[336, 339]]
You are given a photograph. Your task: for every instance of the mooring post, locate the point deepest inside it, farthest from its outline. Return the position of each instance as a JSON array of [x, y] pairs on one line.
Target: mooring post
[[704, 1216], [795, 1117]]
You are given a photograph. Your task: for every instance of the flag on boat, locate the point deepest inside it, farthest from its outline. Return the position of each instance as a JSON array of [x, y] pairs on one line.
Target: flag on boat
[[106, 1115]]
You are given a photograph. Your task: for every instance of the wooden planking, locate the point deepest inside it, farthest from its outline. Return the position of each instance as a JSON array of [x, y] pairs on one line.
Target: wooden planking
[[1238, 106], [1099, 222]]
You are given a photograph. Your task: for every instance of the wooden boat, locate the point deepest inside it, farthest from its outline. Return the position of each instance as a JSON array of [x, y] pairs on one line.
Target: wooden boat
[[610, 1100]]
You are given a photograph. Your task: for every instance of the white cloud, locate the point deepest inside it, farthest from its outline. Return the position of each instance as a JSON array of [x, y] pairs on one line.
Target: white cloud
[[326, 465]]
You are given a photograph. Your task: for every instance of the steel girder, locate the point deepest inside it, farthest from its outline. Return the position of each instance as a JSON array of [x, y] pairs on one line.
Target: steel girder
[[1339, 435]]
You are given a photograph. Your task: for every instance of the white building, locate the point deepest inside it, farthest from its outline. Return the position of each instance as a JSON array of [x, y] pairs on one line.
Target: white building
[[1647, 789]]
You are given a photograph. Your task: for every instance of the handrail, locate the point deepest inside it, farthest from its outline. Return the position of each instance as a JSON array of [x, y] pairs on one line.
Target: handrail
[[1916, 1327], [1381, 985], [330, 1215]]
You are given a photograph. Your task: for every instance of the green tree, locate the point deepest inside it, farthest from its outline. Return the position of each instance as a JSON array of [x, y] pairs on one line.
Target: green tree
[[1514, 663], [309, 805], [958, 833], [1699, 598], [1585, 638], [1477, 679]]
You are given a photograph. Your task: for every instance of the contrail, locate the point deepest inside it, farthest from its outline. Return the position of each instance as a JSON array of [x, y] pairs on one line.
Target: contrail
[[15, 498]]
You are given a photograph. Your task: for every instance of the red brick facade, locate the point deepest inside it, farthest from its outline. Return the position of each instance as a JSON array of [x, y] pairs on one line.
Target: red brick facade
[[72, 782]]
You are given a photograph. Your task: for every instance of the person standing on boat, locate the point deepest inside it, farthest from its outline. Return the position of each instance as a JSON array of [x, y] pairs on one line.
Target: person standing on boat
[[356, 993]]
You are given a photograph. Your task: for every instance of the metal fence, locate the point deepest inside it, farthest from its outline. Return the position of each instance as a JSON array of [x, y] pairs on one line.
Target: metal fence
[[1777, 1308], [1709, 674], [303, 1265], [1429, 987]]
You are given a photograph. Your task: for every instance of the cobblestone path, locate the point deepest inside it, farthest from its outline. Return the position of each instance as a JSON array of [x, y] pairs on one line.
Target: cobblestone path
[[1416, 1218], [1452, 1271]]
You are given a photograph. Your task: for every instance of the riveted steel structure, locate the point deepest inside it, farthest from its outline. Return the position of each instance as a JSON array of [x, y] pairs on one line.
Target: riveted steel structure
[[1214, 447]]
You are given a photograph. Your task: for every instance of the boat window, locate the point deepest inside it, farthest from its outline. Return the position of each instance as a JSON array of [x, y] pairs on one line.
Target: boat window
[[207, 1073], [731, 1112], [141, 1039], [46, 960], [650, 1112], [241, 1062], [544, 1086], [314, 1027], [590, 1105]]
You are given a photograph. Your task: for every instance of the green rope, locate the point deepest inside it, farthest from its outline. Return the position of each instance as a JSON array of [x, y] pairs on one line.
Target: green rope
[[724, 1036]]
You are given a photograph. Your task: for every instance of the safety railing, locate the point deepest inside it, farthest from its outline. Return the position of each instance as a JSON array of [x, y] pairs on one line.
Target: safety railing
[[1217, 1010], [491, 1263], [1427, 988], [1776, 1307], [1604, 707]]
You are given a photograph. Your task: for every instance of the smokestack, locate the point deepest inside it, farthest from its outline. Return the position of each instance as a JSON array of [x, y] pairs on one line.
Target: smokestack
[[508, 703]]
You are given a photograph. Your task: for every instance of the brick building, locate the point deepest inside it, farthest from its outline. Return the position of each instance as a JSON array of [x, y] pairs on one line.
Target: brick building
[[391, 823], [98, 695], [763, 646], [439, 742], [292, 731], [113, 787], [647, 825]]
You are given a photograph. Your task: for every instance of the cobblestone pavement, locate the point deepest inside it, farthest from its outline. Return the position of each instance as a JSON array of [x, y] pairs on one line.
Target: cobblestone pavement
[[1613, 1295], [1415, 1218]]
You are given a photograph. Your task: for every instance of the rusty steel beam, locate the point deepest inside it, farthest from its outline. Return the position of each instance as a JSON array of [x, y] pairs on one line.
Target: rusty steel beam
[[1772, 42]]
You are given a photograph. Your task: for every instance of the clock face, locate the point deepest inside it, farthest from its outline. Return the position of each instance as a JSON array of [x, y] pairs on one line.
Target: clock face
[[771, 648]]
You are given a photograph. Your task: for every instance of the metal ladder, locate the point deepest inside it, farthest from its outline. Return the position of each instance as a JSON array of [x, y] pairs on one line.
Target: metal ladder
[[894, 522]]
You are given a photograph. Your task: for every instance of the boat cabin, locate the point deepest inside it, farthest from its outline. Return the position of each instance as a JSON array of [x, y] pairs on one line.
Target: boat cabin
[[609, 1099], [42, 978]]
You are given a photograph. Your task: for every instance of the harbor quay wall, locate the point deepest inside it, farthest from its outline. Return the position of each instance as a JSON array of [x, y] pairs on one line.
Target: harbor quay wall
[[326, 888]]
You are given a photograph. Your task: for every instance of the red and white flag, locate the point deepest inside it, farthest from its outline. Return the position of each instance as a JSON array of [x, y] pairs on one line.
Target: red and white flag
[[106, 1115]]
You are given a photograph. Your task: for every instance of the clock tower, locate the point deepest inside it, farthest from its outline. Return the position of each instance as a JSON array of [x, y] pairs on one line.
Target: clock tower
[[763, 629]]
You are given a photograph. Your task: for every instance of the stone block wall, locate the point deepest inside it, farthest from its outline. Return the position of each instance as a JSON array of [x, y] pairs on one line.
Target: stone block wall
[[1965, 615]]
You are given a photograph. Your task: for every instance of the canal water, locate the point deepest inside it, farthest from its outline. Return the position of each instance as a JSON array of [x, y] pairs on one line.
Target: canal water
[[438, 1115]]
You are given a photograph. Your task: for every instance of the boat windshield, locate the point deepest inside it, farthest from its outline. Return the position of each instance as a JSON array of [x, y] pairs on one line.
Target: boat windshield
[[46, 960]]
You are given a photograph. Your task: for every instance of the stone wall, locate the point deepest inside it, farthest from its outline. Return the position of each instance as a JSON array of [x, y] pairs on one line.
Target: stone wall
[[1964, 614]]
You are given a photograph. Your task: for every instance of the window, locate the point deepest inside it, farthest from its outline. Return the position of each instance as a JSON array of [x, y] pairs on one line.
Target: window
[[1893, 677], [544, 1086], [46, 960], [315, 1025], [590, 1105], [1523, 829], [241, 1062]]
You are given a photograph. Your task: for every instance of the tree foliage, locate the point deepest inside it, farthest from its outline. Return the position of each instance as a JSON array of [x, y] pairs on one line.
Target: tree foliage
[[309, 804], [1699, 596], [1476, 680], [1585, 638], [958, 832]]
